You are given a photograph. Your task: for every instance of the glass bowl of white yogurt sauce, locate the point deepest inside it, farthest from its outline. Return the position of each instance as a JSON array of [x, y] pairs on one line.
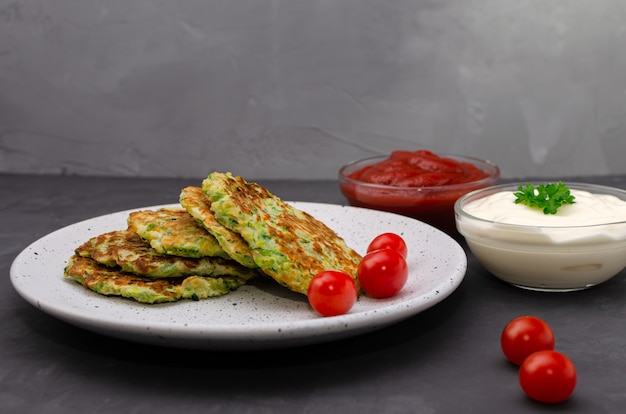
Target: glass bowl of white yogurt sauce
[[582, 245]]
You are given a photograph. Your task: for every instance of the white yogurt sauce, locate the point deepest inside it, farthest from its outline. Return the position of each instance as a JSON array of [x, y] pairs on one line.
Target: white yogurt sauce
[[582, 245], [588, 209]]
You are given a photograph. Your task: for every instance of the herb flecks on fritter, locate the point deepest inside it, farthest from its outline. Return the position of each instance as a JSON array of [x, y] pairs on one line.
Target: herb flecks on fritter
[[110, 281], [287, 244], [127, 250], [174, 231], [199, 206]]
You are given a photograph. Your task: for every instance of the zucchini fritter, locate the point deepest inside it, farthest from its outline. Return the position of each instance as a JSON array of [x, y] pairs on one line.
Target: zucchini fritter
[[124, 248], [111, 282], [287, 244], [198, 205], [174, 231]]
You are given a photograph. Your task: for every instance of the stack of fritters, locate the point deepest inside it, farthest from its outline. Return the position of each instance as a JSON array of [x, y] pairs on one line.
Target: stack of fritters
[[227, 232], [162, 256]]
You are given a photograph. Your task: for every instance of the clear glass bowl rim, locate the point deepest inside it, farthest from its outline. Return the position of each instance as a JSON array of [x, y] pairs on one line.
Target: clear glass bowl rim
[[489, 167]]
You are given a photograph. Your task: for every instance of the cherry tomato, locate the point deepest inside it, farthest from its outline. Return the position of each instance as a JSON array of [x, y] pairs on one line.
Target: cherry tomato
[[548, 376], [332, 293], [382, 273], [524, 335], [388, 240]]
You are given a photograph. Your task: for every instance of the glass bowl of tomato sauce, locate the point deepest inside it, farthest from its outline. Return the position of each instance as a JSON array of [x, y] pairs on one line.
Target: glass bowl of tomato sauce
[[418, 184]]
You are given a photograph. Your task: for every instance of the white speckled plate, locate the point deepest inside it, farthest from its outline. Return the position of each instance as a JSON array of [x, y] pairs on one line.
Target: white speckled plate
[[260, 315]]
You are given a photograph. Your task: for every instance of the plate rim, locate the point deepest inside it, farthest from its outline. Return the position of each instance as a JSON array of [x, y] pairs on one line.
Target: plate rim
[[239, 337]]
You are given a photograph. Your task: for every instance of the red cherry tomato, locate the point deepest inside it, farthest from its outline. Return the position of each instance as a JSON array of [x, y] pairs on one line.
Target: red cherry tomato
[[382, 273], [390, 241], [524, 335], [332, 293], [548, 376]]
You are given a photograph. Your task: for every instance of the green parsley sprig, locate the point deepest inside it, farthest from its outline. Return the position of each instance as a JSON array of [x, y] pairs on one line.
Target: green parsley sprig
[[546, 197]]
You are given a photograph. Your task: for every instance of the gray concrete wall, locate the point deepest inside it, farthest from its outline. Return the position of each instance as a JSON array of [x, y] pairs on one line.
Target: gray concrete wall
[[296, 88]]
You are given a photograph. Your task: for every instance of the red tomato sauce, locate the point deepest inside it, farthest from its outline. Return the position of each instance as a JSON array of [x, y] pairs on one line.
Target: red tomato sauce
[[418, 184], [420, 168]]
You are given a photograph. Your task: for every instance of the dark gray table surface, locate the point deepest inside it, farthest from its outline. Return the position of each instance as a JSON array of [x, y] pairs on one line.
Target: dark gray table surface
[[444, 360]]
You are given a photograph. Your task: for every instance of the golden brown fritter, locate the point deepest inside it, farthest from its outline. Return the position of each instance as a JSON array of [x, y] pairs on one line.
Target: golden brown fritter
[[124, 248], [111, 282], [174, 231], [287, 244], [199, 206]]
